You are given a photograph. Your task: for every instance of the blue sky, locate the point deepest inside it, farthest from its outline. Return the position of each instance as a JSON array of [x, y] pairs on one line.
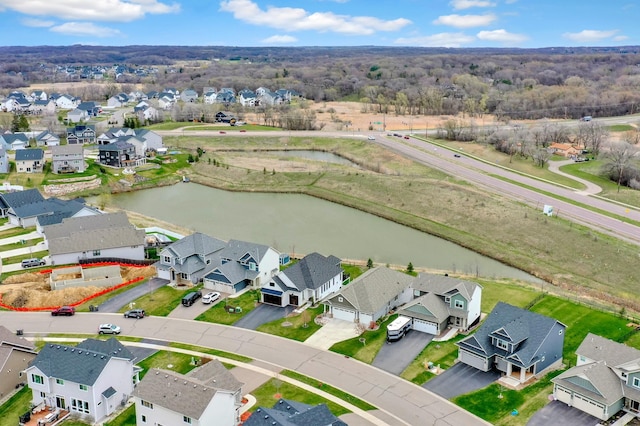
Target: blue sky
[[441, 23]]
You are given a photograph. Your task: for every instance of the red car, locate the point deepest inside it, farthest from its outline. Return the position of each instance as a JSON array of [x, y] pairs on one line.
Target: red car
[[406, 137], [242, 131], [64, 310], [222, 132]]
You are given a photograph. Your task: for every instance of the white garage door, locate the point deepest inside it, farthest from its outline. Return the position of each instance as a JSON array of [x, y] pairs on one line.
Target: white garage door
[[343, 314], [473, 360], [588, 406], [425, 326], [563, 395]]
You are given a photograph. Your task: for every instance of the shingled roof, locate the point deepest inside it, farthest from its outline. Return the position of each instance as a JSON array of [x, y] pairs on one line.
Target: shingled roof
[[311, 272], [286, 412], [188, 394]]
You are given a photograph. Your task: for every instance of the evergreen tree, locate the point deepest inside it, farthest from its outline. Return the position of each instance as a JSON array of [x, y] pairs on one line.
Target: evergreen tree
[[369, 263]]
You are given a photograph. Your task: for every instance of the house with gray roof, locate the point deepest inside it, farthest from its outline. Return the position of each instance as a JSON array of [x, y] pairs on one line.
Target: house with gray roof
[[519, 343], [118, 154], [81, 134], [286, 412], [605, 380], [187, 260], [14, 141], [189, 95], [29, 160], [16, 353], [241, 264], [67, 159], [77, 115], [108, 235], [441, 302], [207, 395], [12, 201], [5, 166], [91, 380], [371, 296], [311, 279], [46, 138]]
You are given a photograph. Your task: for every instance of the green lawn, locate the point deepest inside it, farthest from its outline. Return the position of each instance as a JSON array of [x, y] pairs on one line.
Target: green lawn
[[441, 354], [21, 257], [354, 271], [270, 392], [495, 403], [126, 418], [27, 243], [367, 351], [298, 327], [16, 406], [506, 291], [220, 314], [345, 396], [14, 232], [162, 301], [167, 360]]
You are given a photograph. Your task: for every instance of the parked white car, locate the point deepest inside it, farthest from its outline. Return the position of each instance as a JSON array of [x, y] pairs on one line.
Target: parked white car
[[108, 329], [210, 297]]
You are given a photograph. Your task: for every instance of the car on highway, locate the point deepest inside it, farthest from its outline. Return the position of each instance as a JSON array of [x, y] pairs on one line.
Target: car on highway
[[222, 132], [134, 313], [242, 131], [456, 155], [210, 297], [108, 329], [406, 137], [63, 310], [371, 138]]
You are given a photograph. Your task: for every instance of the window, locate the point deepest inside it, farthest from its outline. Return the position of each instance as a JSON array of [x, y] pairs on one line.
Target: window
[[186, 419], [459, 304], [144, 418], [636, 382], [79, 406], [60, 382], [166, 259], [37, 379], [502, 344], [84, 388], [184, 275], [96, 252], [146, 404]]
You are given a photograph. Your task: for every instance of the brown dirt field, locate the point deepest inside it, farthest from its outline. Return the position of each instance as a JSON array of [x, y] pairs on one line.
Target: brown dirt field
[[32, 290]]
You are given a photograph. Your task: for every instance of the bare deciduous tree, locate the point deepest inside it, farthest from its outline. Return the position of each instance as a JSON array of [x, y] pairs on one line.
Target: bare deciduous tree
[[619, 161]]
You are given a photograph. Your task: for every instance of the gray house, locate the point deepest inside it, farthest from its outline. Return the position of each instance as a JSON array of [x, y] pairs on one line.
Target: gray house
[[286, 412], [5, 166], [67, 159], [605, 380], [371, 296], [15, 355], [312, 279], [187, 260], [517, 342]]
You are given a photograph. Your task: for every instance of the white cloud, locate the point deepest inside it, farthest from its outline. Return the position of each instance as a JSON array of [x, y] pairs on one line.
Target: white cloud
[[38, 23], [621, 38], [437, 40], [465, 21], [84, 29], [297, 19], [587, 36], [467, 4], [502, 36], [101, 10], [279, 39]]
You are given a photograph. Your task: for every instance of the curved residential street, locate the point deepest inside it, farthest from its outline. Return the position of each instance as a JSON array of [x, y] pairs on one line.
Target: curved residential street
[[592, 188], [400, 402]]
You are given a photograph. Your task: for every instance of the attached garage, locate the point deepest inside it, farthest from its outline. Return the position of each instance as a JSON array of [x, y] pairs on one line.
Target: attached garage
[[425, 326], [476, 361], [272, 297], [563, 395], [343, 314], [588, 405]]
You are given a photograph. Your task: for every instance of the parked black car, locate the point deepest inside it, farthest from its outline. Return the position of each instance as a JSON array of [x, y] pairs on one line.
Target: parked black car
[[134, 313]]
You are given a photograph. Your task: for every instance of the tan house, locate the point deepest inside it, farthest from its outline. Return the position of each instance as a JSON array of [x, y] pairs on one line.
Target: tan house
[[564, 149], [15, 355]]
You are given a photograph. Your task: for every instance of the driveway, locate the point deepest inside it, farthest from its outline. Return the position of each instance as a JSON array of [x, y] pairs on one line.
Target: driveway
[[332, 332], [460, 379], [118, 301], [395, 357], [192, 312], [262, 314], [559, 413]]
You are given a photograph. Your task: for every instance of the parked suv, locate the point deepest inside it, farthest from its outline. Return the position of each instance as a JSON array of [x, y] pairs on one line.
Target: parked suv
[[64, 310], [190, 298], [210, 297], [134, 313], [30, 263]]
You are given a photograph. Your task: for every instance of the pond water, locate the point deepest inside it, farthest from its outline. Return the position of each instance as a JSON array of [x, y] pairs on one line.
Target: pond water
[[302, 224]]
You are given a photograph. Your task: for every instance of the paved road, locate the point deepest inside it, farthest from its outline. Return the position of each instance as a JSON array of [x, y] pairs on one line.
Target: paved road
[[591, 188], [262, 314], [460, 379], [117, 302], [401, 402], [395, 357]]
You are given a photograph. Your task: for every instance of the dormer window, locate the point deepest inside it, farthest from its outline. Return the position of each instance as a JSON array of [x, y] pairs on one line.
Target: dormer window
[[502, 344], [459, 304]]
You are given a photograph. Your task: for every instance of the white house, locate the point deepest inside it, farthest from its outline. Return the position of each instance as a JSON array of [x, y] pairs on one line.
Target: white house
[[207, 395], [371, 296], [312, 279], [98, 236], [91, 379]]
